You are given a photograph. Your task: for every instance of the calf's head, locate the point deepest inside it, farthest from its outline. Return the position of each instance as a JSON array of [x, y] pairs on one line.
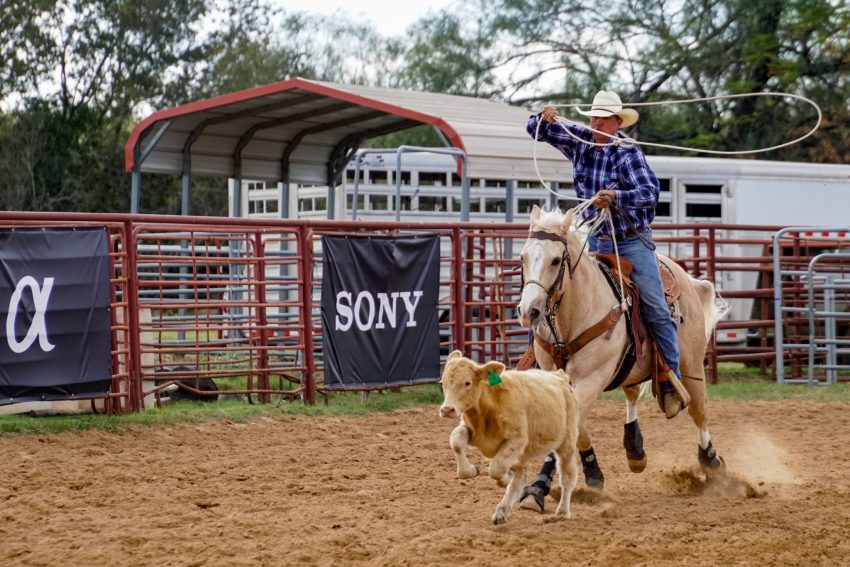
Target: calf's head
[[463, 381]]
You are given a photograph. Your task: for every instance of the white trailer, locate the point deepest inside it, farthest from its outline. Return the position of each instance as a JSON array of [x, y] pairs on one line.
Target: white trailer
[[711, 190]]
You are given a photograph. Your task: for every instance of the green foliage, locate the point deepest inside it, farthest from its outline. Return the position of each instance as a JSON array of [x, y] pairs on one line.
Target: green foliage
[[76, 75], [453, 54]]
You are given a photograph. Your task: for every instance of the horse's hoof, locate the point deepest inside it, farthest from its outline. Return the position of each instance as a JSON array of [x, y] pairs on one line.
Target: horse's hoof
[[499, 518], [710, 461], [637, 465], [533, 499], [471, 472], [716, 468], [592, 473], [633, 444]]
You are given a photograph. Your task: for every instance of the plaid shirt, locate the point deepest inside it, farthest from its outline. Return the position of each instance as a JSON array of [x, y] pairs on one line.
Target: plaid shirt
[[613, 167]]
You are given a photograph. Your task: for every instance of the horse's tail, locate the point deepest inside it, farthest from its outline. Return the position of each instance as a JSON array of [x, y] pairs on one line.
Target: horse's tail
[[714, 307]]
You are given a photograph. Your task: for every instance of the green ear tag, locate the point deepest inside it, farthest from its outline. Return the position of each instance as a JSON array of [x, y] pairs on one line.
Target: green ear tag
[[494, 379]]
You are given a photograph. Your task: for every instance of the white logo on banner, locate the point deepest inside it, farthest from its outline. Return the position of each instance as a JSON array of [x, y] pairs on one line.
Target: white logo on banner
[[38, 328], [387, 309]]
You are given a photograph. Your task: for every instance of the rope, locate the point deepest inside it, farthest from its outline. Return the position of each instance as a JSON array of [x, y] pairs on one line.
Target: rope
[[627, 142]]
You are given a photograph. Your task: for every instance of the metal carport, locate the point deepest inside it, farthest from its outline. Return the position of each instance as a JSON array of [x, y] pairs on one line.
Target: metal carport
[[305, 132]]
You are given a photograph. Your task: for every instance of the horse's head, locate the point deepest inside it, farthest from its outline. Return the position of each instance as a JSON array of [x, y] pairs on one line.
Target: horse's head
[[545, 263]]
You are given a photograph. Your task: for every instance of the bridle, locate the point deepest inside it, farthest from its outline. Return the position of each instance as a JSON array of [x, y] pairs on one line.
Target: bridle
[[558, 349], [565, 262]]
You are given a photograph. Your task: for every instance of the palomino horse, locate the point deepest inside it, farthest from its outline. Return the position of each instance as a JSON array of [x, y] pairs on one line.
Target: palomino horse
[[573, 293]]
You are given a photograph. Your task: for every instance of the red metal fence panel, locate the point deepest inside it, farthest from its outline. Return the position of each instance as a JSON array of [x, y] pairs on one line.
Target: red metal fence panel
[[237, 301]]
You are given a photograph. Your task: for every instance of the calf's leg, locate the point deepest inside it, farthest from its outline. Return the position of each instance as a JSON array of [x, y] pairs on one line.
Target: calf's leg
[[568, 474], [512, 493], [458, 441]]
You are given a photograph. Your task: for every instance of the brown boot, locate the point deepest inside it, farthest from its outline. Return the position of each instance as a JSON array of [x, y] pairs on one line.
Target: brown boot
[[672, 404]]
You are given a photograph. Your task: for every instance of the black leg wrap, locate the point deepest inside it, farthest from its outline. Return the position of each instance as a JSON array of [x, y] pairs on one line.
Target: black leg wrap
[[543, 480], [592, 473], [708, 457], [633, 441]]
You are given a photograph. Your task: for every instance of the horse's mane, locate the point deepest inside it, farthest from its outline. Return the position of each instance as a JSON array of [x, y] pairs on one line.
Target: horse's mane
[[553, 219]]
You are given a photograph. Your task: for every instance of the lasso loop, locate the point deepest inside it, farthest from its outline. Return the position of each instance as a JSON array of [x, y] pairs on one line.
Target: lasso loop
[[605, 214], [628, 142]]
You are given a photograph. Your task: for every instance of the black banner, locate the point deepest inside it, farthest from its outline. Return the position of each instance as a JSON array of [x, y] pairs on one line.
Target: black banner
[[379, 310], [54, 314]]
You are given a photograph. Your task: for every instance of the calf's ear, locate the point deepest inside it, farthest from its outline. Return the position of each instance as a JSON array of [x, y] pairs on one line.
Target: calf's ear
[[454, 355], [493, 366]]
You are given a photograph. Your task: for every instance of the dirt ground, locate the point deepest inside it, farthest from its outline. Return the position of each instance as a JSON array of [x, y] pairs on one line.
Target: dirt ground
[[381, 490]]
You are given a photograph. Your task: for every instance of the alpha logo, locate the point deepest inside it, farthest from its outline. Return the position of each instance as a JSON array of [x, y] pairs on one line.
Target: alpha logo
[[363, 312], [38, 328]]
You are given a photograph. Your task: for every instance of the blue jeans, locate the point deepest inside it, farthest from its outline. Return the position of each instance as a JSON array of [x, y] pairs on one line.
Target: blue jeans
[[653, 305]]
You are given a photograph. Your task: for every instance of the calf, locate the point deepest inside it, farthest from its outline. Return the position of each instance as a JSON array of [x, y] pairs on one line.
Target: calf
[[513, 417]]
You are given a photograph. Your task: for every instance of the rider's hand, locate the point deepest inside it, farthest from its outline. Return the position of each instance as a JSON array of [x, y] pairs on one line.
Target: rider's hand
[[604, 198], [549, 114]]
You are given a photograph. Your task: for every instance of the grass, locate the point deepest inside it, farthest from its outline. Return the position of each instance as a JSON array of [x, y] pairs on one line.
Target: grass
[[745, 387], [343, 403]]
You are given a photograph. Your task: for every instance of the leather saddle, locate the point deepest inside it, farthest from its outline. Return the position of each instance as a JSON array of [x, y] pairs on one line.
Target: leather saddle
[[668, 280]]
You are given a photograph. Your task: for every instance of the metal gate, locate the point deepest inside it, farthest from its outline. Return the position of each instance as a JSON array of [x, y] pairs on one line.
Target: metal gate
[[811, 304]]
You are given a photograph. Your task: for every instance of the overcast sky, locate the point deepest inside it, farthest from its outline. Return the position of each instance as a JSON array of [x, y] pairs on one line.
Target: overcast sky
[[389, 17]]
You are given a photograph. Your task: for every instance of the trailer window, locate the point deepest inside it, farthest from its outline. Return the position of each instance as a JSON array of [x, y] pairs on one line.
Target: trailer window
[[665, 184], [525, 205], [662, 209], [379, 202], [494, 205], [361, 202], [432, 178], [703, 210], [716, 189], [433, 203], [378, 177]]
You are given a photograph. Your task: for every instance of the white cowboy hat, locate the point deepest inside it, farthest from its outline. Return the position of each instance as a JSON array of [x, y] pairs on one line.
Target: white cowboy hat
[[607, 103]]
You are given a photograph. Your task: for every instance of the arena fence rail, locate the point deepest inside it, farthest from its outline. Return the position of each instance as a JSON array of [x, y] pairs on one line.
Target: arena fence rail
[[216, 307]]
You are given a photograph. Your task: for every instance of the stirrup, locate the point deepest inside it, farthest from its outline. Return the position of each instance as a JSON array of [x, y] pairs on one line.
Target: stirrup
[[536, 502], [674, 405]]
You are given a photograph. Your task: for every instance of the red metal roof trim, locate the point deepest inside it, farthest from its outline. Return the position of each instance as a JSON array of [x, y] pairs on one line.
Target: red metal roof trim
[[274, 88]]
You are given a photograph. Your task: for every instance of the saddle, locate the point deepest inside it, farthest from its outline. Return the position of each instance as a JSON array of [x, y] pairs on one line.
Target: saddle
[[668, 280]]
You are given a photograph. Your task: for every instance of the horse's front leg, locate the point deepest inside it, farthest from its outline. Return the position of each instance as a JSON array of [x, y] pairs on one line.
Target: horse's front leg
[[512, 494], [586, 391], [632, 438], [459, 441], [593, 476]]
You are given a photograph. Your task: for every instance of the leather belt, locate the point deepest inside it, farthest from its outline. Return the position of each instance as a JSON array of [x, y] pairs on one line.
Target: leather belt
[[625, 236]]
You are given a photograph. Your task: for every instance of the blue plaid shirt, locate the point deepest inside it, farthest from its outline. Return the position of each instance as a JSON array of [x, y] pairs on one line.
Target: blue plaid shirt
[[613, 167]]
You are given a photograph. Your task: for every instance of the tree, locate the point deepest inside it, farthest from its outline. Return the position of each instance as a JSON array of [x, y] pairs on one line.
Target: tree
[[650, 50], [451, 53]]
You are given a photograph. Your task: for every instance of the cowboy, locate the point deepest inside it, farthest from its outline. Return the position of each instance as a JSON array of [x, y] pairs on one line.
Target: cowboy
[[614, 174]]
